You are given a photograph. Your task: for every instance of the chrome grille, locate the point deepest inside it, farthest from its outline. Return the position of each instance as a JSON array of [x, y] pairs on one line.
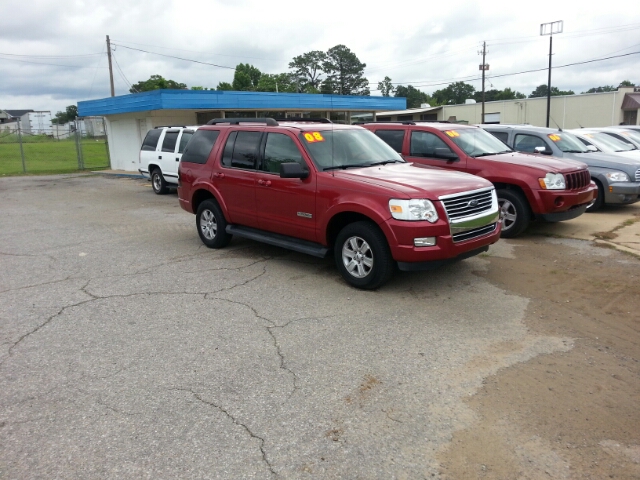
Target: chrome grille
[[467, 204], [638, 175], [476, 232], [577, 180]]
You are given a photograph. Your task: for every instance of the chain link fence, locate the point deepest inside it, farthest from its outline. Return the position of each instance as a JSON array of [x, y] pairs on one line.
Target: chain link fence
[[76, 146]]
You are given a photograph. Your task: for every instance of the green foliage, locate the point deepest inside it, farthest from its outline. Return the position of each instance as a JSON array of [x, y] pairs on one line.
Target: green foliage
[[246, 77], [414, 96], [281, 82], [605, 88], [156, 82], [224, 86], [345, 73], [202, 88], [308, 68], [455, 93], [494, 94], [386, 87], [70, 114], [626, 83], [541, 91]]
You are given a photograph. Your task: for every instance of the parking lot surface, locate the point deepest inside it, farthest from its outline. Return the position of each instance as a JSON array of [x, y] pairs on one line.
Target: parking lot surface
[[128, 349]]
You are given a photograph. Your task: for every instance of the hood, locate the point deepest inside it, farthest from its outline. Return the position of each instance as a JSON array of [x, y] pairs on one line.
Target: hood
[[414, 180], [607, 160], [543, 162]]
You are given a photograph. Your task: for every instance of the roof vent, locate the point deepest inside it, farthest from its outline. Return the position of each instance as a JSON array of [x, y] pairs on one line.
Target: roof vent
[[469, 101], [425, 105]]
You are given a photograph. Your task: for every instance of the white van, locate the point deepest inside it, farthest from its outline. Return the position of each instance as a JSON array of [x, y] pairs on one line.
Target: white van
[[160, 155]]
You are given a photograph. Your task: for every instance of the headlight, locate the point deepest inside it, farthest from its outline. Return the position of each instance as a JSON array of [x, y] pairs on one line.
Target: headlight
[[617, 177], [414, 209], [552, 181]]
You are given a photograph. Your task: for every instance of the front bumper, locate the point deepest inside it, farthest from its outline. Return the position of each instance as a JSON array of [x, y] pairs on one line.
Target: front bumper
[[622, 193], [572, 213], [553, 203]]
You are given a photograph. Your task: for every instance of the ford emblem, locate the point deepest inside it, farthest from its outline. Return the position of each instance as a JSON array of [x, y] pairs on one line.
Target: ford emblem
[[473, 203]]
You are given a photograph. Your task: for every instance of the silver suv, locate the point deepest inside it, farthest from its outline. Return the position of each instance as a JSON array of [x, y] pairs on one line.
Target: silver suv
[[618, 179], [160, 155]]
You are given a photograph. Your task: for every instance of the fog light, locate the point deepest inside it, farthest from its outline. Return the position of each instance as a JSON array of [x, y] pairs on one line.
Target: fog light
[[424, 242]]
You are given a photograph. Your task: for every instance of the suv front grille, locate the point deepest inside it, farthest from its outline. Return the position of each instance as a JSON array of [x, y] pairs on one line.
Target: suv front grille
[[577, 180], [476, 232], [468, 204], [638, 175]]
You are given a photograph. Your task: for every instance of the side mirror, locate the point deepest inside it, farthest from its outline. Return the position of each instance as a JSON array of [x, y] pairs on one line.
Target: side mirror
[[542, 150], [445, 153], [592, 148], [293, 170]]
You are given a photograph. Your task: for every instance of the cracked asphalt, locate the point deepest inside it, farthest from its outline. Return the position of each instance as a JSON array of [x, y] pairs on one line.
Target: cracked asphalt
[[128, 349]]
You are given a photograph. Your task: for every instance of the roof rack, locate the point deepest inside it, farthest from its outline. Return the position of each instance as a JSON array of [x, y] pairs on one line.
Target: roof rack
[[400, 122], [171, 126], [237, 121], [304, 119]]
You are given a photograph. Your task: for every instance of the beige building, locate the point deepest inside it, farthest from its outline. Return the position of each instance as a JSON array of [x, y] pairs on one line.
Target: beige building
[[571, 111]]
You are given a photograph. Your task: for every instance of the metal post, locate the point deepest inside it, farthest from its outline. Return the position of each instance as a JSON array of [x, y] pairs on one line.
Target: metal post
[[106, 141], [484, 69], [549, 81], [24, 165]]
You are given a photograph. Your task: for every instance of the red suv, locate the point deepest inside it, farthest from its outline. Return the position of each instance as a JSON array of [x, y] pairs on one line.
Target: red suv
[[528, 186], [316, 187]]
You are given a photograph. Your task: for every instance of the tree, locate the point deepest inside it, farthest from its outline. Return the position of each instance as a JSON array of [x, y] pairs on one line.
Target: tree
[[246, 77], [281, 82], [626, 83], [201, 88], [455, 93], [70, 114], [494, 94], [386, 87], [605, 88], [224, 86], [308, 68], [345, 73], [156, 82], [414, 96], [541, 91]]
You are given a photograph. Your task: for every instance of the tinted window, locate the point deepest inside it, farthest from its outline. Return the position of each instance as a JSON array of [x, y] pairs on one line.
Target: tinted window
[[424, 144], [151, 140], [245, 150], [528, 143], [169, 142], [392, 137], [200, 146], [228, 149], [504, 136], [184, 139], [280, 149]]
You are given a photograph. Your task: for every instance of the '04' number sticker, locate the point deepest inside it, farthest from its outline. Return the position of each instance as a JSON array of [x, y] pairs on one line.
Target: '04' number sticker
[[452, 133], [313, 137]]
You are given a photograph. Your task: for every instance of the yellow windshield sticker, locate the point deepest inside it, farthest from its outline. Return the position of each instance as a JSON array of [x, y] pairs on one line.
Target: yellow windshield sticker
[[452, 133], [554, 137], [587, 135], [313, 137]]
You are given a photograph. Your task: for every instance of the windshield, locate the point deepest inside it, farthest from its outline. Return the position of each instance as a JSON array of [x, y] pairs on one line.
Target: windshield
[[607, 143], [631, 134], [344, 148], [568, 142], [476, 142]]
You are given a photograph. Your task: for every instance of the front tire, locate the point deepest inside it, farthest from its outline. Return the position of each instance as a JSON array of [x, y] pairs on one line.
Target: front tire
[[212, 225], [514, 213], [598, 202], [158, 183], [362, 255]]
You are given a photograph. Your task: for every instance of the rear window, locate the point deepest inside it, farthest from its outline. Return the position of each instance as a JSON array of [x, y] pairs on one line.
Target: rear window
[[200, 145], [151, 140]]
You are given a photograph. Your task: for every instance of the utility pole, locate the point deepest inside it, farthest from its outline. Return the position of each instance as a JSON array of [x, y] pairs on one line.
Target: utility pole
[[484, 67], [113, 92], [550, 29]]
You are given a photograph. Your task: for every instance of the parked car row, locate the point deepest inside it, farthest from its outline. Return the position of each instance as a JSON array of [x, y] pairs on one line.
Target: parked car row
[[381, 196]]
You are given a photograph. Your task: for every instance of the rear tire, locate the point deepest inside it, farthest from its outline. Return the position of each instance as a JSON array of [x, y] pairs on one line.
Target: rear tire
[[158, 183], [598, 202], [514, 213], [212, 225], [362, 255]]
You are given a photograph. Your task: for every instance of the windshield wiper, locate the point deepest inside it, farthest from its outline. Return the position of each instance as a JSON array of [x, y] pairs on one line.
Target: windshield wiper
[[344, 167], [384, 162], [485, 154], [577, 151]]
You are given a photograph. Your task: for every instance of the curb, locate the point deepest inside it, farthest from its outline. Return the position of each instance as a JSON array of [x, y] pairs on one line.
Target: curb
[[108, 173]]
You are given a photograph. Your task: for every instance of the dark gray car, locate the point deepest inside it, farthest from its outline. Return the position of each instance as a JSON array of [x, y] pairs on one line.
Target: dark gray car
[[618, 178]]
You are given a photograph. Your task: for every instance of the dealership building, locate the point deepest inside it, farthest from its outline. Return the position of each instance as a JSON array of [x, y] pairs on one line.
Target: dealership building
[[128, 118]]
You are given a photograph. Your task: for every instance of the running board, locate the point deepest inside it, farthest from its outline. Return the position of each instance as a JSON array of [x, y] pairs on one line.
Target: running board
[[290, 243]]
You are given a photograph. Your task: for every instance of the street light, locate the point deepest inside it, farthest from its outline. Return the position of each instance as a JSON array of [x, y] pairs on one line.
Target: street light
[[549, 29]]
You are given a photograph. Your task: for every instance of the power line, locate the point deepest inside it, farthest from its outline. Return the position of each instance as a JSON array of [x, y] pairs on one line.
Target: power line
[[51, 56], [199, 51], [171, 56], [43, 63], [121, 72]]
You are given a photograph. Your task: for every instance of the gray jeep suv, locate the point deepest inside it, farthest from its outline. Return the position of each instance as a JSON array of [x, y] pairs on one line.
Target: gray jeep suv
[[618, 179]]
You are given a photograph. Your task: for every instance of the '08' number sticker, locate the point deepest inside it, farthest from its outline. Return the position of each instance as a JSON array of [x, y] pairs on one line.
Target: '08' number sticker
[[313, 137]]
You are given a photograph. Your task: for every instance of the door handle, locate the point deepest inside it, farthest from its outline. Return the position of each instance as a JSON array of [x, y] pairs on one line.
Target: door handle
[[266, 183], [218, 175], [177, 159], [159, 157]]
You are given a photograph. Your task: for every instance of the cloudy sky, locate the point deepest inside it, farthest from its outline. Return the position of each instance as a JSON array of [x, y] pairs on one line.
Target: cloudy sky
[[53, 54]]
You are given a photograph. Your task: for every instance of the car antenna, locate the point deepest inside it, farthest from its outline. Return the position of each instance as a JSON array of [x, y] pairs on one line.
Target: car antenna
[[579, 124], [559, 128]]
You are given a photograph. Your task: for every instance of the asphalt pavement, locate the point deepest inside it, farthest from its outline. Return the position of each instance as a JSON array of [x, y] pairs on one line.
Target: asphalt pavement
[[128, 349]]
